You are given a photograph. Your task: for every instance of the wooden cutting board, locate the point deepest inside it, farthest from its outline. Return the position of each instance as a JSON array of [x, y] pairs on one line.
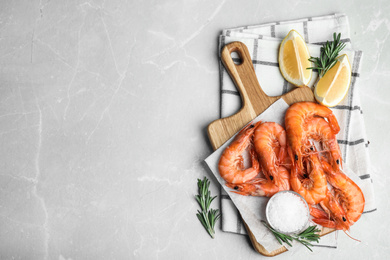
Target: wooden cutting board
[[254, 102]]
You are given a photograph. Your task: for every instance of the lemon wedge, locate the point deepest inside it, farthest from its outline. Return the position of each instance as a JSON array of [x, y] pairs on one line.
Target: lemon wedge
[[332, 88], [294, 60]]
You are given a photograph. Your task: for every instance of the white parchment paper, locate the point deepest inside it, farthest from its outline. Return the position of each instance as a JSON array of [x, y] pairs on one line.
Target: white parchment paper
[[252, 209]]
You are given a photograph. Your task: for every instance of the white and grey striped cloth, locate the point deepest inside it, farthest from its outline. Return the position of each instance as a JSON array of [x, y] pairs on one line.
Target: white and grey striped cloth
[[263, 43]]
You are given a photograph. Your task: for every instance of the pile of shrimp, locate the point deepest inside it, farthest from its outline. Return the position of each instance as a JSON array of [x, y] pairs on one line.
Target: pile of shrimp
[[288, 159]]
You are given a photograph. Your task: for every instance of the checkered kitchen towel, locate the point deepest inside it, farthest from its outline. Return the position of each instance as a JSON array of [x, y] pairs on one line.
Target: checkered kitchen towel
[[263, 43]]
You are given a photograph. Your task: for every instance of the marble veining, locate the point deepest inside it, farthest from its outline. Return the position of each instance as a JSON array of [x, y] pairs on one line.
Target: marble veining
[[103, 113]]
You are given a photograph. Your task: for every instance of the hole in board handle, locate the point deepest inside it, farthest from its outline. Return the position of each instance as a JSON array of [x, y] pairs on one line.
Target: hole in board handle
[[236, 58]]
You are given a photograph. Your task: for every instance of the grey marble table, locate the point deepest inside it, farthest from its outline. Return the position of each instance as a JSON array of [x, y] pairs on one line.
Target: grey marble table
[[103, 114]]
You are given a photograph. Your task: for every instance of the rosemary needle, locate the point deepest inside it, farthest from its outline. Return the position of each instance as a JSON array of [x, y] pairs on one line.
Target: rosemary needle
[[311, 234], [328, 54], [208, 217]]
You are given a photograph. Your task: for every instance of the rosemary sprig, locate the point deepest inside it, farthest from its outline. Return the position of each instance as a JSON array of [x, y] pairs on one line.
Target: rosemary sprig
[[208, 217], [328, 54], [311, 234]]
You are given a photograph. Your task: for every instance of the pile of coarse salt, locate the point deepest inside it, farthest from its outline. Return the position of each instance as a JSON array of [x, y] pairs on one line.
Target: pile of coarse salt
[[287, 212]]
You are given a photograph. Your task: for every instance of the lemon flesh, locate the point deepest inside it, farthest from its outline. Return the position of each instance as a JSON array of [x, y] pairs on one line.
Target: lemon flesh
[[332, 88], [294, 60]]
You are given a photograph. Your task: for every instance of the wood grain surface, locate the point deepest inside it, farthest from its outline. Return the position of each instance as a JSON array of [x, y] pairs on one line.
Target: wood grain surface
[[254, 102]]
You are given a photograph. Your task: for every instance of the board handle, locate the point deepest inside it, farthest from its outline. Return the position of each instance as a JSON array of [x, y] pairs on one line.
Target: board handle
[[243, 74], [254, 100]]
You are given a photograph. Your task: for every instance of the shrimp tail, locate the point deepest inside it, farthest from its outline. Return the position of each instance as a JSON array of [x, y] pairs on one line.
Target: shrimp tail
[[254, 159], [320, 217], [325, 222], [334, 125], [317, 213], [283, 155], [327, 167]]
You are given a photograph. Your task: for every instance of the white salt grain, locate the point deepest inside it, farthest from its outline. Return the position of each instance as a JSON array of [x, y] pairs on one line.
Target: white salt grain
[[287, 212]]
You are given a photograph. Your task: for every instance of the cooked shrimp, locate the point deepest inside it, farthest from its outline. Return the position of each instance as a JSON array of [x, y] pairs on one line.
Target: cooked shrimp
[[319, 130], [311, 185], [332, 215], [346, 192], [231, 163], [270, 144], [295, 119], [262, 186]]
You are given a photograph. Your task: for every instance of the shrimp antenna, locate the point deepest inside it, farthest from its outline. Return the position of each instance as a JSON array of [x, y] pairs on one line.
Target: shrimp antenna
[[351, 236]]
